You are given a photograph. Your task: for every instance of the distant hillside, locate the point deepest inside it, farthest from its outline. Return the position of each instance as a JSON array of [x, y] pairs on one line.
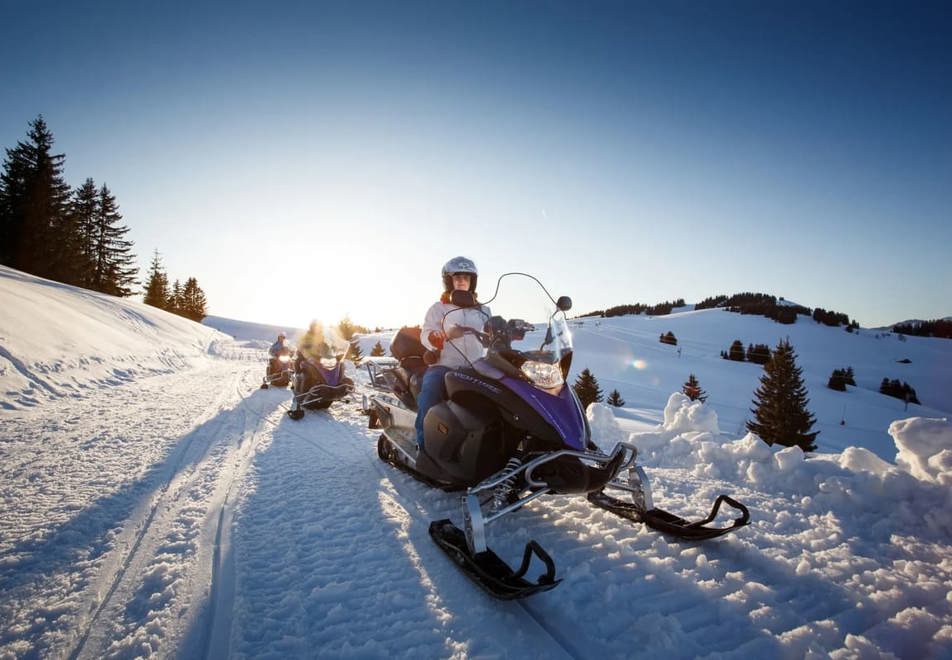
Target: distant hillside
[[937, 328], [760, 304], [248, 331]]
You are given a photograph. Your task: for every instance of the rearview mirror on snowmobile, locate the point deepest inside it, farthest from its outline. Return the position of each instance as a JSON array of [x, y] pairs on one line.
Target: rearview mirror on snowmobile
[[463, 298], [564, 303], [516, 329], [498, 331]]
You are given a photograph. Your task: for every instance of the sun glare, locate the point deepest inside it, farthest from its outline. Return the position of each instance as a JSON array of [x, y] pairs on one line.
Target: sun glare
[[639, 364]]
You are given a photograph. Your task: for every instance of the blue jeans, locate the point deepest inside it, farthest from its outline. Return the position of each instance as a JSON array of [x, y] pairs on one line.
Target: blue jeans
[[432, 392]]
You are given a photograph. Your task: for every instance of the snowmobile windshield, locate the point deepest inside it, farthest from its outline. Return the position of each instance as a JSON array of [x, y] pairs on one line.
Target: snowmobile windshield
[[525, 326]]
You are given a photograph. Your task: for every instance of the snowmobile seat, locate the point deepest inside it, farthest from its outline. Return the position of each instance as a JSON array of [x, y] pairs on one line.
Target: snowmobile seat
[[406, 343]]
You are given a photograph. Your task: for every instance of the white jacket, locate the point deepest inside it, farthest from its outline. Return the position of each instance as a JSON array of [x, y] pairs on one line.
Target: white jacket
[[468, 345]]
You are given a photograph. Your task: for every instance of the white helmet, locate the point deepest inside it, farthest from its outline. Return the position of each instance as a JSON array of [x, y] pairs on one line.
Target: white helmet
[[459, 265]]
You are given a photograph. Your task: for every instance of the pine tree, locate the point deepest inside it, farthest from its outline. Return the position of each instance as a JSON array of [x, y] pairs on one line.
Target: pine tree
[[837, 381], [157, 288], [377, 350], [346, 328], [587, 389], [736, 351], [174, 303], [37, 235], [193, 301], [781, 403], [692, 389], [614, 399], [355, 353], [114, 271], [83, 208]]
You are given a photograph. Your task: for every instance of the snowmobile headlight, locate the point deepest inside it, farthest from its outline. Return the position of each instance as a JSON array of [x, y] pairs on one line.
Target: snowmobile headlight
[[284, 358], [545, 375], [328, 363]]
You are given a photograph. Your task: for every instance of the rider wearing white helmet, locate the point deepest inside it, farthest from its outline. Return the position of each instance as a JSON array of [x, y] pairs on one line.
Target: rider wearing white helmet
[[454, 351]]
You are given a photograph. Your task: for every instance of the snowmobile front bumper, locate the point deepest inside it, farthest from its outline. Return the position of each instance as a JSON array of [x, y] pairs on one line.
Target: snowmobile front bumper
[[323, 393]]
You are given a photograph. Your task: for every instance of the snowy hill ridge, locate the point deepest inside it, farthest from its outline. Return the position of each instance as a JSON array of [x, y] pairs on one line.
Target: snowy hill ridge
[[58, 340]]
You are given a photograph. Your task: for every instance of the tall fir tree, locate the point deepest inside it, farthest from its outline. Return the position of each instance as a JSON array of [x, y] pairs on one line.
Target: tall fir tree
[[34, 205], [193, 301], [346, 328], [587, 389], [157, 287], [692, 389], [174, 303], [614, 399], [377, 350], [84, 208], [355, 354], [114, 271], [781, 403]]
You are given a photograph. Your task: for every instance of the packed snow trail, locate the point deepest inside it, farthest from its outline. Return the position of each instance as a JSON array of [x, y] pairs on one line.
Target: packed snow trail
[[187, 515], [105, 503]]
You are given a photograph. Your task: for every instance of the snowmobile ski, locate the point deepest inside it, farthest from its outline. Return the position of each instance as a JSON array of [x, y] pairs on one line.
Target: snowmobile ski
[[668, 523], [488, 570]]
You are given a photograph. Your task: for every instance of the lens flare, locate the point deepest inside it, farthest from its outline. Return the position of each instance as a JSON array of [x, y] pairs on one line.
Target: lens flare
[[639, 364]]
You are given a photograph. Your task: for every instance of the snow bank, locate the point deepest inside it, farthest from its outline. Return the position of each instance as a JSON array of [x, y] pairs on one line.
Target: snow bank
[[913, 494], [925, 448], [58, 340]]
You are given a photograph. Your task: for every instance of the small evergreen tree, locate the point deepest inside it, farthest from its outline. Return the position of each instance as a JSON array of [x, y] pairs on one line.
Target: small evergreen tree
[[346, 328], [157, 287], [669, 338], [692, 389], [587, 389], [174, 303], [114, 270], [355, 353], [848, 376], [736, 351], [193, 303], [377, 350], [758, 353], [781, 403], [837, 381], [614, 399]]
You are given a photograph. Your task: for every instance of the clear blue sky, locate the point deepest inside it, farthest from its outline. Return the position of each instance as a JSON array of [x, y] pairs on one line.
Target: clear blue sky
[[304, 160]]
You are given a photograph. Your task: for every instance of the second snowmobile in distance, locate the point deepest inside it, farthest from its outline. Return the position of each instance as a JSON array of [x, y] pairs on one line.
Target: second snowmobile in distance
[[319, 382], [511, 431], [279, 372]]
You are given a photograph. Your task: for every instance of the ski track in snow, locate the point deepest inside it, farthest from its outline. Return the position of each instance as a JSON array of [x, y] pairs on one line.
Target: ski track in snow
[[115, 558], [188, 515]]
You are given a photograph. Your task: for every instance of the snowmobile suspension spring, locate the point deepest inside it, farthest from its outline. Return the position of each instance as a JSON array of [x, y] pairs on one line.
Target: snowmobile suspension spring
[[502, 491]]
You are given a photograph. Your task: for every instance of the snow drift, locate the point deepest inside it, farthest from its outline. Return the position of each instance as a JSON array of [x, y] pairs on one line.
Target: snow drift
[[58, 340]]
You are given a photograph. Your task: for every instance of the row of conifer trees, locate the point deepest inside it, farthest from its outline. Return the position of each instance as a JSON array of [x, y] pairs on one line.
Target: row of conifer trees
[[75, 236]]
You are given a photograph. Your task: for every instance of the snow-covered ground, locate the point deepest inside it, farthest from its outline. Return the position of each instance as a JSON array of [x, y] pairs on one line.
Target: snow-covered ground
[[177, 511]]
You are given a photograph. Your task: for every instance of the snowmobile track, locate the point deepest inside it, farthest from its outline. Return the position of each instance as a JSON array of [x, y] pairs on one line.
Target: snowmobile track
[[174, 465]]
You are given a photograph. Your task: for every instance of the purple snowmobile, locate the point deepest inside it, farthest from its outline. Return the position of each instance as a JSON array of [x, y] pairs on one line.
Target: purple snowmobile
[[319, 382], [511, 431]]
